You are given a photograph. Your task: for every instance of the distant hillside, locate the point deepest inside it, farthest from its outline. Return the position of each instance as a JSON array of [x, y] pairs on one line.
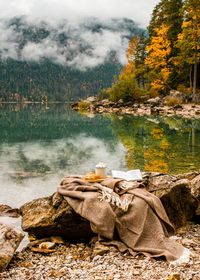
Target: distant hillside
[[69, 61]]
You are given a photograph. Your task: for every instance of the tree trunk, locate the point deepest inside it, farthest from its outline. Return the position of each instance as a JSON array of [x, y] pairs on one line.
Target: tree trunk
[[194, 97], [190, 78], [194, 81]]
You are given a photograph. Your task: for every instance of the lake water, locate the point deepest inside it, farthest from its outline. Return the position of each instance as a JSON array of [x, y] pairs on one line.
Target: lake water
[[40, 145]]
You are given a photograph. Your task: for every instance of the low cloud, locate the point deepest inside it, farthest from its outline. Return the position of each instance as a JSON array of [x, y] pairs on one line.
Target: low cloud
[[76, 33], [54, 11], [84, 44]]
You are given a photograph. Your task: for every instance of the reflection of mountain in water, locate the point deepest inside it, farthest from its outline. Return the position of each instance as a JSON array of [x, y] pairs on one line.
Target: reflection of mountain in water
[[36, 122]]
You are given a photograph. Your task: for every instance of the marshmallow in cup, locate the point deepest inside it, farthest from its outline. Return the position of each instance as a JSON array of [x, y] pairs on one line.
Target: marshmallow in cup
[[100, 169]]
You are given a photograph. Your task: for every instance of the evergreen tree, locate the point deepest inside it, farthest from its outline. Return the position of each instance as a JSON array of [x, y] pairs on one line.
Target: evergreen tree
[[136, 55], [140, 56], [168, 13], [189, 41]]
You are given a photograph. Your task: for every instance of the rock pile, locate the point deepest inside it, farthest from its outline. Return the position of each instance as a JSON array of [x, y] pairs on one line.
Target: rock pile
[[147, 107]]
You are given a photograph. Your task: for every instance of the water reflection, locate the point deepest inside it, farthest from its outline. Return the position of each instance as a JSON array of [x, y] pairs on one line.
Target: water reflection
[[162, 144], [40, 145]]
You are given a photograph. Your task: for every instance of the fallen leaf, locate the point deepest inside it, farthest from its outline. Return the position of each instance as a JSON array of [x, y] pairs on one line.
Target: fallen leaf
[[41, 250], [174, 277], [27, 265]]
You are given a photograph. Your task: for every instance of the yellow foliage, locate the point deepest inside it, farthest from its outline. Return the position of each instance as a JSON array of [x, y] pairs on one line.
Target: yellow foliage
[[164, 144], [172, 101], [128, 69], [157, 59]]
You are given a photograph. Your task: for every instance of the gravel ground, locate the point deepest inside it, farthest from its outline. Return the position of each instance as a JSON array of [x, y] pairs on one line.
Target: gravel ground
[[78, 261]]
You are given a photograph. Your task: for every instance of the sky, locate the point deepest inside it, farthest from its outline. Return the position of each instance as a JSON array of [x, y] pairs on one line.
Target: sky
[[53, 10], [69, 17]]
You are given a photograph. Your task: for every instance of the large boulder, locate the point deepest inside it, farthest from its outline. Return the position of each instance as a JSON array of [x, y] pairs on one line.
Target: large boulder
[[195, 186], [53, 216], [10, 238], [176, 196], [154, 101]]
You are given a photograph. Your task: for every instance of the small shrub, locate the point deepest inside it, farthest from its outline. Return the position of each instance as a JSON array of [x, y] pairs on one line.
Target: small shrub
[[83, 105], [126, 89], [153, 93], [172, 101], [181, 88], [104, 94]]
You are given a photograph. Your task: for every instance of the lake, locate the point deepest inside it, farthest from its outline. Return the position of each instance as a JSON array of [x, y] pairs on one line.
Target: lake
[[40, 144]]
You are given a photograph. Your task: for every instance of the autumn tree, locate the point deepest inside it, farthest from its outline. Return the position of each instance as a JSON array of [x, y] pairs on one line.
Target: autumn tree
[[189, 41], [129, 68], [136, 54], [168, 13], [158, 52]]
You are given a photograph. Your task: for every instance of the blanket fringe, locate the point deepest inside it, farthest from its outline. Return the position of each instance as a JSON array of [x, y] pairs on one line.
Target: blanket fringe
[[109, 196], [184, 258]]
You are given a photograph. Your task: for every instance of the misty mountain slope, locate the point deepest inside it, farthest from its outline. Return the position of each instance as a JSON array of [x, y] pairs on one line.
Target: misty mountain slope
[[62, 61]]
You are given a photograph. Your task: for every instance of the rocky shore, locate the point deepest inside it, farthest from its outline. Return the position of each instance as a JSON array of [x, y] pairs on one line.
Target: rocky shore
[[80, 262], [147, 107], [62, 245]]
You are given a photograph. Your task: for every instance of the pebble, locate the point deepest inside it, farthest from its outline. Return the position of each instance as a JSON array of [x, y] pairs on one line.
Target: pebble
[[77, 262]]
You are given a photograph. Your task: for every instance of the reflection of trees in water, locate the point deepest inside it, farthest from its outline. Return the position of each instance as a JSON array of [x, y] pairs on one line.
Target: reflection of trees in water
[[28, 165], [161, 144], [36, 122], [71, 155], [156, 155], [64, 156]]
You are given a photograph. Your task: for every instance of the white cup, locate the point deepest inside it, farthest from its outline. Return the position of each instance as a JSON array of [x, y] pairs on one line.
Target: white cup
[[100, 171]]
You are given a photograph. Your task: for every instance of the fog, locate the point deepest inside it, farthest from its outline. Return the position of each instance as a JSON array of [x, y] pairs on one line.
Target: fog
[[63, 157], [81, 47], [54, 11]]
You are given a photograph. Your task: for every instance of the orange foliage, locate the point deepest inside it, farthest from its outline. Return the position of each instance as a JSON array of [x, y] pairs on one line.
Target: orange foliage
[[129, 68], [157, 59]]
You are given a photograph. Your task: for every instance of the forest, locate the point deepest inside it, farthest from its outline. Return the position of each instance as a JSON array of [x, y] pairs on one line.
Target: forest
[[167, 59], [22, 81], [25, 76]]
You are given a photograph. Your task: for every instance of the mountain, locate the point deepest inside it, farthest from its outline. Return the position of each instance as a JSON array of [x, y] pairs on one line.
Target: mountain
[[64, 61]]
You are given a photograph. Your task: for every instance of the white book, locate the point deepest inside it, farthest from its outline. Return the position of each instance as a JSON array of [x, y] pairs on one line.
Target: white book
[[127, 175]]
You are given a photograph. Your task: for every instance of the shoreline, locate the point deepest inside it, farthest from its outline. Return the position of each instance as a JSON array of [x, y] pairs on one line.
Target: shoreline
[[152, 106], [36, 102]]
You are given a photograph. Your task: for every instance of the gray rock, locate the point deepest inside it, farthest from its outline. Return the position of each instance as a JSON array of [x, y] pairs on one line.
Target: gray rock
[[195, 190], [154, 101], [100, 249], [52, 215], [10, 238], [158, 180], [8, 211], [91, 99], [176, 197], [121, 101], [195, 186]]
